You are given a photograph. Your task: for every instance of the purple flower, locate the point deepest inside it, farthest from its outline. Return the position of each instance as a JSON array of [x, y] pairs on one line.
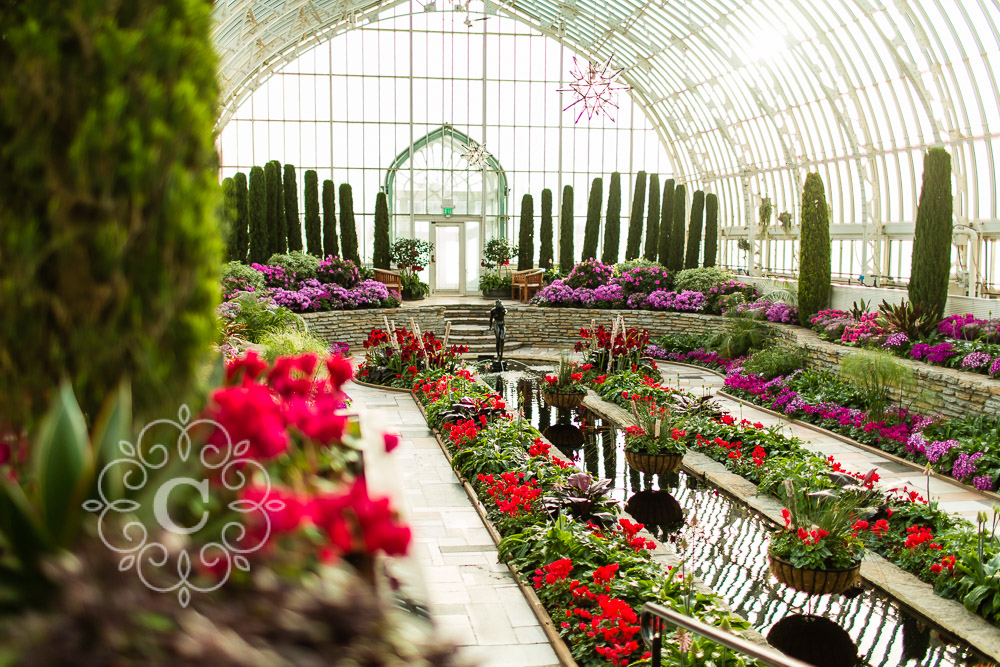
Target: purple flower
[[939, 448], [965, 466], [995, 367], [897, 339], [976, 360], [940, 352], [983, 483]]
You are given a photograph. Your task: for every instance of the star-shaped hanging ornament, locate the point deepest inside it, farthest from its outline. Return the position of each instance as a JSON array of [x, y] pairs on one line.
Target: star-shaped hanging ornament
[[475, 154], [596, 88]]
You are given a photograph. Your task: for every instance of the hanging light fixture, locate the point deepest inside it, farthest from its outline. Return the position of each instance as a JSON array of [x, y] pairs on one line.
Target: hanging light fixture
[[595, 89], [475, 154]]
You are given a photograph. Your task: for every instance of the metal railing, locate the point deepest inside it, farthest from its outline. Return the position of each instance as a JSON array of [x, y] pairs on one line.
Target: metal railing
[[656, 619]]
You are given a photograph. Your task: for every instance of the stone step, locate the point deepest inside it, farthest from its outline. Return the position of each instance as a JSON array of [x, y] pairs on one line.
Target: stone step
[[490, 348]]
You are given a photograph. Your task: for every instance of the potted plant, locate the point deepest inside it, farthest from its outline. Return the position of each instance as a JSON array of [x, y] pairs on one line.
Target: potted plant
[[818, 551], [565, 390], [496, 255], [653, 446], [411, 256]]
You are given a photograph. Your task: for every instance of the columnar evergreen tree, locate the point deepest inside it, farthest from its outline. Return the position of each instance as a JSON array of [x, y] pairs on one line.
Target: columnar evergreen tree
[[314, 234], [279, 215], [545, 247], [526, 234], [677, 229], [932, 239], [593, 227], [566, 230], [694, 231], [814, 251], [633, 243], [110, 246], [242, 217], [380, 256], [652, 218], [228, 223], [613, 223], [348, 228], [666, 223], [330, 241], [292, 222], [260, 240], [275, 229], [711, 228]]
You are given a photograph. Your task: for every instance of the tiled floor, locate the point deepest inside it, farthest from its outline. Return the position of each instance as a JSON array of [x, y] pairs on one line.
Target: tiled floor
[[472, 598]]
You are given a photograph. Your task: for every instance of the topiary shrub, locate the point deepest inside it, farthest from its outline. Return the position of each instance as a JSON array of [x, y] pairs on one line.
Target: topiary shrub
[[700, 280], [652, 218], [633, 242], [276, 233], [291, 201], [348, 228], [314, 234], [676, 262], [545, 242], [814, 251], [665, 230], [694, 230], [380, 256], [281, 223], [242, 220], [110, 243], [613, 221], [260, 240], [593, 227], [330, 245], [566, 225], [932, 238], [228, 222], [711, 229], [300, 264], [526, 235]]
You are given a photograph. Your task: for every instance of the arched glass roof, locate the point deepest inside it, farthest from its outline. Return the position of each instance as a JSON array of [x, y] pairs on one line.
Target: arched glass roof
[[749, 96]]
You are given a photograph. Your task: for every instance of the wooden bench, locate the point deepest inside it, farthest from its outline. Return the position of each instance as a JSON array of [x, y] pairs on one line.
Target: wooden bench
[[524, 284], [390, 279]]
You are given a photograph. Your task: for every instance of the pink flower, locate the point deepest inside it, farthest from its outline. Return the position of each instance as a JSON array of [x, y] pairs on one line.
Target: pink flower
[[249, 413]]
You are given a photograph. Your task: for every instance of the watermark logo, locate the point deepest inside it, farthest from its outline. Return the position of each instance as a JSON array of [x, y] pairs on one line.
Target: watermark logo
[[143, 481]]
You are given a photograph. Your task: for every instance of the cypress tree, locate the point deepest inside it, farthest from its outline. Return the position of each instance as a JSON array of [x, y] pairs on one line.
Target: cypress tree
[[380, 257], [545, 250], [228, 225], [711, 228], [592, 229], [633, 244], [932, 238], [314, 237], [330, 245], [814, 251], [694, 231], [566, 230], [281, 225], [272, 192], [652, 218], [348, 229], [242, 218], [526, 235], [666, 223], [260, 240], [677, 229], [292, 222], [613, 223]]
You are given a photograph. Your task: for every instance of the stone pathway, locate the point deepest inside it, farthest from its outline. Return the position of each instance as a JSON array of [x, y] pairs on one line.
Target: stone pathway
[[951, 498], [473, 600]]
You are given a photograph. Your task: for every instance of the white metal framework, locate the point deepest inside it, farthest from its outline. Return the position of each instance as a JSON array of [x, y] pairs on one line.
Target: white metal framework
[[747, 96]]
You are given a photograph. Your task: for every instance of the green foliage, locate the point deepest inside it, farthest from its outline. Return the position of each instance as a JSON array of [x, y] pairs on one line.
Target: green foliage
[[380, 258], [814, 252], [932, 237], [276, 232], [694, 230], [700, 280], [566, 230], [330, 246], [711, 229], [256, 317], [593, 227], [292, 223], [302, 265], [665, 230], [111, 248], [545, 252], [239, 277], [260, 242], [348, 229], [314, 237], [526, 234], [909, 318], [281, 225], [634, 241], [676, 262], [242, 219], [613, 222], [774, 361], [652, 218], [228, 222], [741, 335], [879, 376], [286, 342]]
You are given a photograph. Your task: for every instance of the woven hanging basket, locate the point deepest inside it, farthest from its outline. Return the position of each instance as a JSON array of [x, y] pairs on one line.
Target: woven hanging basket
[[814, 582], [658, 464], [558, 400]]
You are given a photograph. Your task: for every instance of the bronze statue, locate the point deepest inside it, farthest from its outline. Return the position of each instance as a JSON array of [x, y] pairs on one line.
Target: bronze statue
[[498, 327]]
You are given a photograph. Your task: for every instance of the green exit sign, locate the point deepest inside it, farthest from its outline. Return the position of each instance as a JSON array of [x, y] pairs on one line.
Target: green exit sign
[[448, 210]]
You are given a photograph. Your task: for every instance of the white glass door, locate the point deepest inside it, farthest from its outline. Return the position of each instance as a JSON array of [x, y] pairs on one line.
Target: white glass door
[[449, 258]]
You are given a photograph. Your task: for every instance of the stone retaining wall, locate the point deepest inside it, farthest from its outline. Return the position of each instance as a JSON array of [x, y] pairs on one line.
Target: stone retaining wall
[[937, 390]]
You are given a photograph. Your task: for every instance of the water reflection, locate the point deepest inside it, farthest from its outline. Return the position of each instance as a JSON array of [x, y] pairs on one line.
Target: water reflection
[[659, 510], [567, 437], [814, 639]]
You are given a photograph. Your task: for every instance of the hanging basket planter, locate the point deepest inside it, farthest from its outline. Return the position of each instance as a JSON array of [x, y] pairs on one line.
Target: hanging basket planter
[[814, 582], [559, 400], [658, 464]]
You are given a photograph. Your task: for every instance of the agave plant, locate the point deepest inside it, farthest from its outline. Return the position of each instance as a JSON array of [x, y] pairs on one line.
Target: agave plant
[[583, 497]]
